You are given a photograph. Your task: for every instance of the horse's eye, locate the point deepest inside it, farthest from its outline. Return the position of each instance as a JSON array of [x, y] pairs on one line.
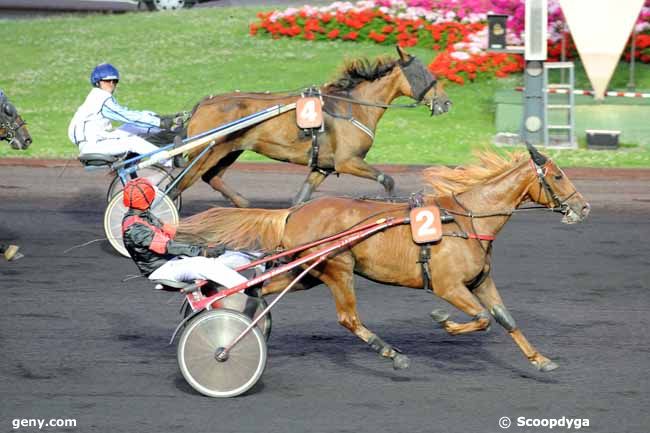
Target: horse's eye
[[557, 176]]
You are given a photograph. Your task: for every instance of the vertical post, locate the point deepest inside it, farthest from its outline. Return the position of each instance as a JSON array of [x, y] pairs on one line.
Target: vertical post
[[564, 48], [536, 24], [534, 118], [631, 85]]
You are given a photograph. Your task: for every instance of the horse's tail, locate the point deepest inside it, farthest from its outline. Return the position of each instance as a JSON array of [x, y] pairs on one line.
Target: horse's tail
[[236, 228]]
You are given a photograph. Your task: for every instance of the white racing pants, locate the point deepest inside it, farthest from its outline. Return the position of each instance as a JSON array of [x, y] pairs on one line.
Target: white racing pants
[[219, 269], [117, 142]]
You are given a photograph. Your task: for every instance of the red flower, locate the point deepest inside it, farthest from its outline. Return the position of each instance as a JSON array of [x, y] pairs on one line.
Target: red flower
[[387, 29], [377, 37], [309, 36], [351, 36], [333, 34]]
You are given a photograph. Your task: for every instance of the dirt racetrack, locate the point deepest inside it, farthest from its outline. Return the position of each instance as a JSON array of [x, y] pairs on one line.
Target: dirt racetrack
[[78, 343]]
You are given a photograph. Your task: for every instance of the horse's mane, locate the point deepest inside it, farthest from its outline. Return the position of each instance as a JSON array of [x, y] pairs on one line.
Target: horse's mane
[[445, 181], [356, 71]]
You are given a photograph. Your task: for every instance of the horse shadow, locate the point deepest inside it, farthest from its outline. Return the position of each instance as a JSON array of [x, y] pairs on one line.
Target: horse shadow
[[432, 350]]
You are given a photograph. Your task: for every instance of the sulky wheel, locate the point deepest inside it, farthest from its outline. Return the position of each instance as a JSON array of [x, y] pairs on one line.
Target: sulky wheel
[[251, 306], [203, 340], [166, 5], [163, 208], [160, 176]]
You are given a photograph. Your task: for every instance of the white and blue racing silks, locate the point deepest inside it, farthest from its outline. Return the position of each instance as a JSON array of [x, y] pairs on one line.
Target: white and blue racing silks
[[114, 111]]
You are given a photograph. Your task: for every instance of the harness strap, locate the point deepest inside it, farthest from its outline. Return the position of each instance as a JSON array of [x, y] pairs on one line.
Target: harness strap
[[423, 260], [363, 127], [481, 237], [315, 149], [417, 200], [465, 235], [349, 116]]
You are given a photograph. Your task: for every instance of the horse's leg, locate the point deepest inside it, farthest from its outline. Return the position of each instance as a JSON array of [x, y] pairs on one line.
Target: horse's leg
[[356, 166], [338, 275], [214, 178], [460, 297], [489, 296], [315, 178]]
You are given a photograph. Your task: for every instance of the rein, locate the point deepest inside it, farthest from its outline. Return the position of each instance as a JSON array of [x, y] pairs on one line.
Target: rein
[[368, 103]]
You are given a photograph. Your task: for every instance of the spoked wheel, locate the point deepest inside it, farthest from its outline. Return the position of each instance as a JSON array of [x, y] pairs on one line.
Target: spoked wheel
[[160, 176], [251, 306], [166, 5], [164, 209], [204, 339]]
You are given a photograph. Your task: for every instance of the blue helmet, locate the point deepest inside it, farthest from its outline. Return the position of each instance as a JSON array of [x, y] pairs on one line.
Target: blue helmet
[[105, 71]]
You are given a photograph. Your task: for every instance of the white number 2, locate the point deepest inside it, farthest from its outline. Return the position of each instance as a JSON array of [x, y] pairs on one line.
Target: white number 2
[[426, 229]]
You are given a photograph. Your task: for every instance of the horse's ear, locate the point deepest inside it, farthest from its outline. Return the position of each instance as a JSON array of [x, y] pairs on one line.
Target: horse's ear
[[403, 55], [537, 157]]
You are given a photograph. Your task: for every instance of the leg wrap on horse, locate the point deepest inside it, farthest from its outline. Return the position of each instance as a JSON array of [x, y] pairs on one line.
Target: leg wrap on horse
[[400, 361], [387, 182], [503, 317], [304, 194], [380, 346]]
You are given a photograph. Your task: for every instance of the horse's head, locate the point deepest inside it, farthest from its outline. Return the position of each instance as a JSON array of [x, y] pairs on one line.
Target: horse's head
[[555, 190], [12, 126], [421, 84]]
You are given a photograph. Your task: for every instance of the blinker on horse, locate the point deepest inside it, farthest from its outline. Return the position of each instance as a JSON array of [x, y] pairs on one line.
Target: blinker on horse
[[12, 125], [353, 105], [482, 198]]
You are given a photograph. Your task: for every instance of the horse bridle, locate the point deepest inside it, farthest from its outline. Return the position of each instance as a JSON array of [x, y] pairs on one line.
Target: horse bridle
[[559, 204], [13, 123], [11, 127]]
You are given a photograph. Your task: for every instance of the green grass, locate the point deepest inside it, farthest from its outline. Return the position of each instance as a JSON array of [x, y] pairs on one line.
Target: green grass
[[169, 61]]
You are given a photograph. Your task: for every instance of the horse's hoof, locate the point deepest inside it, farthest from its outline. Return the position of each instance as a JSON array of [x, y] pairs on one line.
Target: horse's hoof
[[546, 365], [401, 362], [439, 316]]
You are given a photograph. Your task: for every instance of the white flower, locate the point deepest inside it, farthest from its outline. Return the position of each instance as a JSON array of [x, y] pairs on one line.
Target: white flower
[[460, 55]]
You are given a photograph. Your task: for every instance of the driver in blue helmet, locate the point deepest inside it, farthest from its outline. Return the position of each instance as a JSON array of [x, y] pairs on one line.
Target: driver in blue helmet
[[91, 128]]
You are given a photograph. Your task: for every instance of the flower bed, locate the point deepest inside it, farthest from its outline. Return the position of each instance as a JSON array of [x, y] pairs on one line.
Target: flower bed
[[456, 29]]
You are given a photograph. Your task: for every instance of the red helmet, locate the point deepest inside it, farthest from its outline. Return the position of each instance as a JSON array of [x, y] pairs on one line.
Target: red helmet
[[139, 193]]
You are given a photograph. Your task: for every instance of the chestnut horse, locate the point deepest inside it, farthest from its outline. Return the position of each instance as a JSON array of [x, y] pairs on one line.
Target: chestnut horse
[[482, 199], [353, 104], [12, 126]]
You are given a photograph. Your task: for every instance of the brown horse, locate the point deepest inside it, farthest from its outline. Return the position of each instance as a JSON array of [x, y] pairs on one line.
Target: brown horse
[[353, 105], [12, 126], [481, 197]]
